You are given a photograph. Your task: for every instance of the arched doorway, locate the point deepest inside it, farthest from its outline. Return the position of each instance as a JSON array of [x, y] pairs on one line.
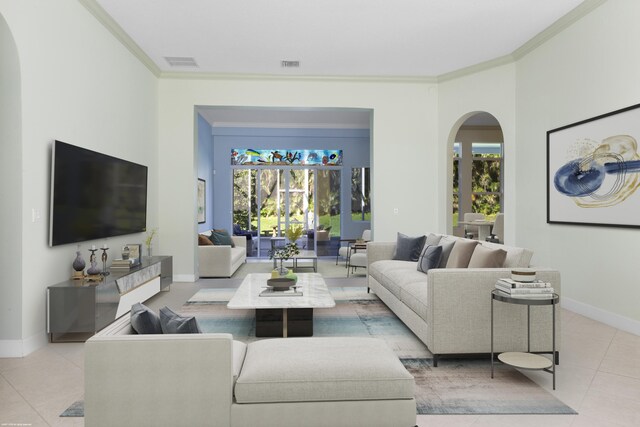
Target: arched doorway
[[478, 169]]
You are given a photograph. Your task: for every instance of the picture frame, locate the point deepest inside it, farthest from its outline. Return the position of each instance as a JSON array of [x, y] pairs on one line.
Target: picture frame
[[202, 199], [593, 171], [135, 253]]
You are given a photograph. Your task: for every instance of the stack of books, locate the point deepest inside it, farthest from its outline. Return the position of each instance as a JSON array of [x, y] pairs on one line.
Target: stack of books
[[536, 289], [122, 264]]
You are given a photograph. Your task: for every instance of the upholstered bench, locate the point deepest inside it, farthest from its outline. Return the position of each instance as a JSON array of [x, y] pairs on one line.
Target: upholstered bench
[[212, 380], [343, 381]]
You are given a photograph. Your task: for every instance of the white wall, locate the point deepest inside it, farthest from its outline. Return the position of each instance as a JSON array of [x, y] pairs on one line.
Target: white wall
[[404, 147], [10, 179], [589, 69], [81, 86]]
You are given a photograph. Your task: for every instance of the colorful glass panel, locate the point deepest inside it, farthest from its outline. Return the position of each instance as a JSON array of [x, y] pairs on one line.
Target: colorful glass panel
[[271, 157]]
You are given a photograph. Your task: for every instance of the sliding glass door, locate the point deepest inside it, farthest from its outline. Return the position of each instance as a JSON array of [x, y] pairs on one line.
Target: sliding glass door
[[269, 200]]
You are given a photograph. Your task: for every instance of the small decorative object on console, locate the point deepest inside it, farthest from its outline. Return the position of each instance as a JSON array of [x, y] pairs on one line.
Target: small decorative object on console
[[149, 240], [104, 260], [135, 253], [78, 266], [93, 272]]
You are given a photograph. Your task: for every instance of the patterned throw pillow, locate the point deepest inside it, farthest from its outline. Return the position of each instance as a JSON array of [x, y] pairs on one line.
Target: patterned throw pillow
[[173, 323], [430, 258]]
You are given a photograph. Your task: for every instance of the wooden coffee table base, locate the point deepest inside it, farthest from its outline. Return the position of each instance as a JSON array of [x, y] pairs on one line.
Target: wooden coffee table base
[[284, 322]]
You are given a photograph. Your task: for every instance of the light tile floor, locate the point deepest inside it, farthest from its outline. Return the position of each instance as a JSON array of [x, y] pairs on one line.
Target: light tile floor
[[598, 376]]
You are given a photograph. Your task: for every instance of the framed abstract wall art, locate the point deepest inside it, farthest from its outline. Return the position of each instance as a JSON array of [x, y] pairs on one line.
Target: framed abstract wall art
[[593, 171]]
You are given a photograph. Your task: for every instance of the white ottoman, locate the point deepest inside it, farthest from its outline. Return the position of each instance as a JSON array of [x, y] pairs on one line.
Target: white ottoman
[[345, 381]]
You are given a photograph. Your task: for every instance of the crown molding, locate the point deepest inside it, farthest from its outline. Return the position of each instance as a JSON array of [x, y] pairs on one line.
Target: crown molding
[[557, 27], [338, 78], [105, 19], [473, 69]]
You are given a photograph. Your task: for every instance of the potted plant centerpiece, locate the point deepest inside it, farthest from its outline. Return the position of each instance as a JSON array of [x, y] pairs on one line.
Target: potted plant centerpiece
[[290, 249]]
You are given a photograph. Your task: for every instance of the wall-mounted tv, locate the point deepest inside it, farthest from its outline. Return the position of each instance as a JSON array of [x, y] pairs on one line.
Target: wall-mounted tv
[[94, 196]]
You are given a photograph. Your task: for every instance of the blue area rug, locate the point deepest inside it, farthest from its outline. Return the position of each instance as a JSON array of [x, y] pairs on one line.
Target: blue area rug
[[456, 386]]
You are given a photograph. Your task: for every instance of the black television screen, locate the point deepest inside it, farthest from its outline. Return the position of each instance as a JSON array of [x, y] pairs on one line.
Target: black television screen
[[94, 196]]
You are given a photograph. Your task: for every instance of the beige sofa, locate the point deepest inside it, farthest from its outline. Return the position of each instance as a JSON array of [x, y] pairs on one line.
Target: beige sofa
[[212, 380], [222, 261], [449, 309]]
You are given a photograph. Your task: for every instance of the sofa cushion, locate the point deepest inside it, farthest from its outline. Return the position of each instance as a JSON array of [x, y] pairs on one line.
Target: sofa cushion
[[173, 323], [144, 320], [484, 257], [461, 253], [447, 246], [389, 273], [322, 369], [430, 258], [204, 240], [414, 296], [408, 248]]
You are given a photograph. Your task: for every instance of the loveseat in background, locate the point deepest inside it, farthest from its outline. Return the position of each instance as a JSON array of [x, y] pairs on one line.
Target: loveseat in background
[[221, 260], [449, 309]]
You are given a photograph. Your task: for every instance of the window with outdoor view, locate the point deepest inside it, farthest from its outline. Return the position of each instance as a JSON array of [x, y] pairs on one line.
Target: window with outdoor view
[[477, 179], [360, 194]]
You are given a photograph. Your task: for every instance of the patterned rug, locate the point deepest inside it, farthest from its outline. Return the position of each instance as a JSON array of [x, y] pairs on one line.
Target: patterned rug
[[456, 386]]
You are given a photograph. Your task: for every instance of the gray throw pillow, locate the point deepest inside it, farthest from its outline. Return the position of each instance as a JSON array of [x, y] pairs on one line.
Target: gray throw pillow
[[430, 258], [408, 248], [144, 320], [447, 246], [173, 323]]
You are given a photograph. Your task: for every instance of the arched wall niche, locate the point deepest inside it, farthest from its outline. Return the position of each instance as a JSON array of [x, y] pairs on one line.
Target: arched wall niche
[[471, 128]]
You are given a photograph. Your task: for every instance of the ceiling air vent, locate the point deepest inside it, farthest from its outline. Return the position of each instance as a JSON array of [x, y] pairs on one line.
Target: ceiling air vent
[[290, 64], [181, 61]]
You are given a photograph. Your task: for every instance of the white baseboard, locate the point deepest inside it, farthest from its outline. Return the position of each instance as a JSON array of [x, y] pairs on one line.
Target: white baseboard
[[21, 348], [612, 319], [184, 278]]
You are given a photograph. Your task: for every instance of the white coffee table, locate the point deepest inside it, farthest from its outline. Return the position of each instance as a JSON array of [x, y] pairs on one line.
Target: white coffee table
[[283, 316]]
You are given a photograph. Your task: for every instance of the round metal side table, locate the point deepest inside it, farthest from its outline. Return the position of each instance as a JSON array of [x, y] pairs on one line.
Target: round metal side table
[[528, 360]]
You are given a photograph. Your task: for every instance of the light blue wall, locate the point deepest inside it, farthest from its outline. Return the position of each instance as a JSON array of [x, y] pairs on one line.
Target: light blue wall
[[205, 169], [355, 144]]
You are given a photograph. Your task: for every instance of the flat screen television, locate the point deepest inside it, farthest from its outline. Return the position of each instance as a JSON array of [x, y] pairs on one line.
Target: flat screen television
[[94, 196]]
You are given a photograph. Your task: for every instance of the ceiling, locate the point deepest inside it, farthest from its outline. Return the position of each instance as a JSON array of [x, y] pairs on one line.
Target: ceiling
[[329, 38], [400, 38]]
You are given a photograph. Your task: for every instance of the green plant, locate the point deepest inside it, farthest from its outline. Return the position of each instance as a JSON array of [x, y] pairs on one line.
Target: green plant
[[150, 235], [293, 233]]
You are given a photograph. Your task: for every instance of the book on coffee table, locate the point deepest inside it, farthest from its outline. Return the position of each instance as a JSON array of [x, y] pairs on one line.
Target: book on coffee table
[[288, 293]]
